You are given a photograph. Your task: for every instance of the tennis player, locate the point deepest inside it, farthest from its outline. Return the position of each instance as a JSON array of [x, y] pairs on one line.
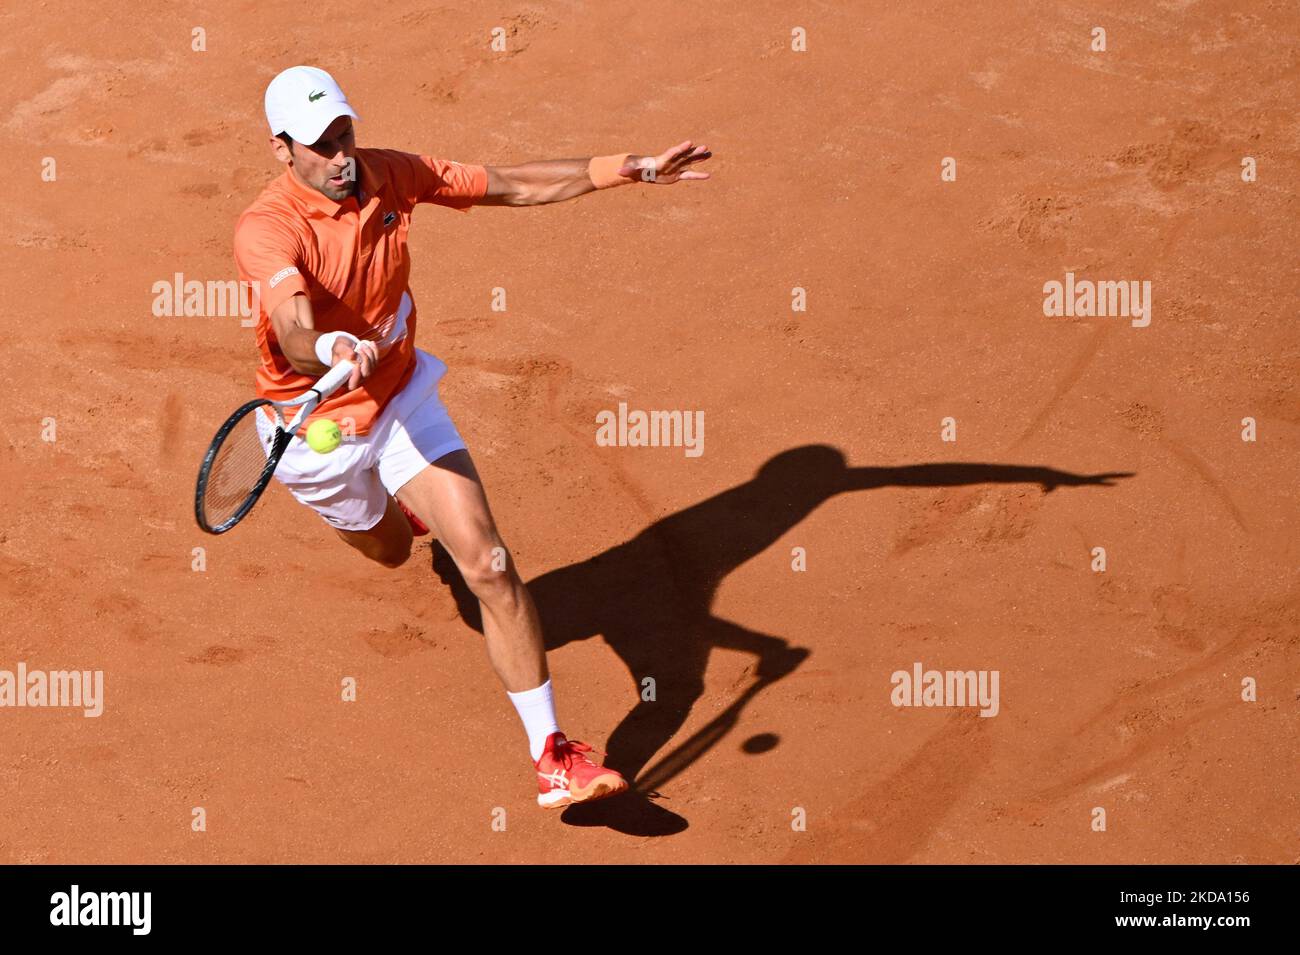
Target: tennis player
[[326, 246]]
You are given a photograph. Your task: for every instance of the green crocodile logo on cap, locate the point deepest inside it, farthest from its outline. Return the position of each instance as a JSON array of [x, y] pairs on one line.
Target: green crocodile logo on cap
[[313, 97]]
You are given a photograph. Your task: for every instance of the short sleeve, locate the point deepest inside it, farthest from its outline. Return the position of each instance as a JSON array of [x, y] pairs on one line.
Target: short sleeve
[[269, 256], [447, 183]]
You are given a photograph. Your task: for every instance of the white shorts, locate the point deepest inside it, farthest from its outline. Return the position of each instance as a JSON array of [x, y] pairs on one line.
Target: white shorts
[[350, 486]]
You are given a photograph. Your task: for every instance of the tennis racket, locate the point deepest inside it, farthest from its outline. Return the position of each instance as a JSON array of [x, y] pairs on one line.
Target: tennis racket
[[238, 467]]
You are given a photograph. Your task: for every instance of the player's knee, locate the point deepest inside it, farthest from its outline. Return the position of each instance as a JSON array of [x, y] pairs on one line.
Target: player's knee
[[392, 553], [393, 560], [489, 573], [387, 544]]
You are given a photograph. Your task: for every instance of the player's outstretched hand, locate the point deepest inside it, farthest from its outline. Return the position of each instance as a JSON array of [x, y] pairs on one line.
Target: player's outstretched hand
[[668, 166]]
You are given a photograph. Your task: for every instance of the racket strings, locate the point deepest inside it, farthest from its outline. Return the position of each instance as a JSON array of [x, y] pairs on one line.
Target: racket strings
[[236, 470]]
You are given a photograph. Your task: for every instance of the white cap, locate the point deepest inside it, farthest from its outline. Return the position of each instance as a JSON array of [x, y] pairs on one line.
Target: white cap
[[302, 101]]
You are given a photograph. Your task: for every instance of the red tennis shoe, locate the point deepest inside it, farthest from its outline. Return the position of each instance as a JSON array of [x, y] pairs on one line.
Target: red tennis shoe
[[566, 775], [417, 525]]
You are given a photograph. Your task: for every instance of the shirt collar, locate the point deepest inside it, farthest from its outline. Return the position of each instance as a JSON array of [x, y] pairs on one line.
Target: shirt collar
[[371, 179]]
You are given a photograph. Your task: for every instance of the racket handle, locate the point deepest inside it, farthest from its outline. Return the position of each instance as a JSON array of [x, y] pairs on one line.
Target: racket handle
[[329, 384]]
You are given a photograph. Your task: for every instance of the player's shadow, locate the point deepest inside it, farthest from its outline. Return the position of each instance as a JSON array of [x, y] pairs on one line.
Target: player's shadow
[[651, 599]]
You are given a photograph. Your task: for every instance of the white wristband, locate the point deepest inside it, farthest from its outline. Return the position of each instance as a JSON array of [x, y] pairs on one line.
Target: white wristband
[[325, 346]]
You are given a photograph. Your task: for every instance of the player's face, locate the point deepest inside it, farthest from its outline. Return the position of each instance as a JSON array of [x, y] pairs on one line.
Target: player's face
[[329, 164]]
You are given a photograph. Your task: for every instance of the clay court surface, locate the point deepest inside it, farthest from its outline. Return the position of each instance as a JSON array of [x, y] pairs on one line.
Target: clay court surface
[[1119, 689]]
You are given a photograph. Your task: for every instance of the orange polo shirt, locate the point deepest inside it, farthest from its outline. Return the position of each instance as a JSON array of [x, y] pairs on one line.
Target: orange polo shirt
[[351, 260]]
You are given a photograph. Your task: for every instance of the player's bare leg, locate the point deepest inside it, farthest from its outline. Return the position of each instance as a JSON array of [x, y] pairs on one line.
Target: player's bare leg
[[449, 498], [388, 542]]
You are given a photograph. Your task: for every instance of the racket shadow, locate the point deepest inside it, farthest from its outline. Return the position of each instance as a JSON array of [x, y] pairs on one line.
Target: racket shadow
[[650, 598]]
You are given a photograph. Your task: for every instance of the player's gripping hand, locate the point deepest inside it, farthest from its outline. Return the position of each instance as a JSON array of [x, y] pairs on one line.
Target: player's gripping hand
[[334, 347], [364, 355]]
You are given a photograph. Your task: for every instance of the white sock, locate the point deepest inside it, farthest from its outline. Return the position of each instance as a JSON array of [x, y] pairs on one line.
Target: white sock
[[537, 709]]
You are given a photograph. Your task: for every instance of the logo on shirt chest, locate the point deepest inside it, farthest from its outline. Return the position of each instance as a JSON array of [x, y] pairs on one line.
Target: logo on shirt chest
[[389, 219]]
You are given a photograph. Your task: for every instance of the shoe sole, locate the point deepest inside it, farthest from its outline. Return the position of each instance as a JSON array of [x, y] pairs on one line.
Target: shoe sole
[[601, 788]]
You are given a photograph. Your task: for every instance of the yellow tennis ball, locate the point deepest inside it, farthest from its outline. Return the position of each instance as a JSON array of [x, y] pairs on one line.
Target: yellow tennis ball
[[323, 435]]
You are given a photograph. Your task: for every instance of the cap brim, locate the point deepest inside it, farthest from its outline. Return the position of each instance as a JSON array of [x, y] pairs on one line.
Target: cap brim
[[308, 129]]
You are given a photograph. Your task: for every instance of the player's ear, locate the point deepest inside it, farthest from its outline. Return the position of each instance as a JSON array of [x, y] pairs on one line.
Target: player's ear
[[281, 149]]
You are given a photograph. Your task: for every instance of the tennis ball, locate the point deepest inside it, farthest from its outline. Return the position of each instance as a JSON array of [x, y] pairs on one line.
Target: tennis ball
[[323, 435]]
